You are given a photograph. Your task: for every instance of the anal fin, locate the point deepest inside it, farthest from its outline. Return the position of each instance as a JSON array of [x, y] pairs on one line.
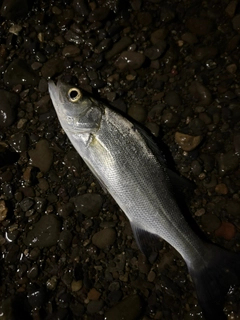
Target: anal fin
[[146, 241]]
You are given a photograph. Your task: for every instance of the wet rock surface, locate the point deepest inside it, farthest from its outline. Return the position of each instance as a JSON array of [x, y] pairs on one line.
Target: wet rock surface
[[67, 250]]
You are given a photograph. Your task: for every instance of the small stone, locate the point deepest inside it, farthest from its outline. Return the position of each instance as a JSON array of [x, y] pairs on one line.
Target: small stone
[[210, 222], [52, 283], [76, 285], [42, 156], [130, 308], [231, 8], [200, 93], [232, 68], [221, 188], [156, 51], [158, 35], [233, 208], [200, 25], [236, 22], [227, 163], [89, 204], [94, 306], [3, 210], [45, 232], [187, 142], [93, 294], [104, 238], [26, 204], [137, 112], [172, 98], [226, 231], [151, 276], [130, 60], [118, 47], [71, 51]]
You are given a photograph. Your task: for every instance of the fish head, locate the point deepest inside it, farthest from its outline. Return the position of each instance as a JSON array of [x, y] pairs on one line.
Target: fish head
[[76, 111]]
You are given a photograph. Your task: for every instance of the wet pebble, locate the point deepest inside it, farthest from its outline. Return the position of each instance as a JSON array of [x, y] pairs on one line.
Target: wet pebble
[[231, 8], [81, 7], [170, 119], [236, 22], [156, 51], [129, 309], [37, 296], [52, 67], [93, 294], [89, 204], [236, 143], [200, 93], [227, 163], [9, 104], [226, 231], [144, 18], [73, 162], [154, 128], [210, 222], [71, 51], [233, 208], [76, 285], [137, 112], [3, 210], [19, 72], [94, 306], [99, 14], [42, 156], [118, 47], [65, 239], [172, 98], [26, 204], [14, 9], [130, 60], [19, 142], [104, 238], [45, 232], [187, 142], [200, 25], [158, 35], [221, 188]]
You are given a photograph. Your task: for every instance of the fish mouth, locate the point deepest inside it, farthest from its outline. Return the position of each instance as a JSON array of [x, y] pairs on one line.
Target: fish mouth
[[55, 95]]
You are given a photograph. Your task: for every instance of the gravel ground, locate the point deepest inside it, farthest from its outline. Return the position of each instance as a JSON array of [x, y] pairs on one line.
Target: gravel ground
[[67, 250]]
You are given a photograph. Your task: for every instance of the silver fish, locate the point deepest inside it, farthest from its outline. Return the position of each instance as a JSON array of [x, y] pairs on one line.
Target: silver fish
[[127, 166]]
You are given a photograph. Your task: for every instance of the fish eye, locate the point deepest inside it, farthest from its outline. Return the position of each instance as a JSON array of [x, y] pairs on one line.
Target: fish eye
[[74, 94]]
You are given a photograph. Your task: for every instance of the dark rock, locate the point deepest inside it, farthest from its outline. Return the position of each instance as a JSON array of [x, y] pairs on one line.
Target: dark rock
[[9, 104], [19, 72]]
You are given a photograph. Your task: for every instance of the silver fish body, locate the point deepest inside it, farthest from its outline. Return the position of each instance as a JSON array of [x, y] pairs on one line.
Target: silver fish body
[[122, 160]]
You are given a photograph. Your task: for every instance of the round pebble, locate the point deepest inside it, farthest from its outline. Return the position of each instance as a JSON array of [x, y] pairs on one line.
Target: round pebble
[[137, 112], [187, 142], [227, 163], [210, 222], [9, 104], [200, 93], [221, 188], [104, 238], [129, 308], [19, 72], [41, 156], [45, 232], [226, 231], [89, 204], [130, 60]]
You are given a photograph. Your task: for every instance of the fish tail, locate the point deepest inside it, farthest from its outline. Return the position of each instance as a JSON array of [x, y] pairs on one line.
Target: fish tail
[[213, 280]]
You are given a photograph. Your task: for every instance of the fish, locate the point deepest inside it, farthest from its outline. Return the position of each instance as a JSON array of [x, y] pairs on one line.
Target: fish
[[130, 167]]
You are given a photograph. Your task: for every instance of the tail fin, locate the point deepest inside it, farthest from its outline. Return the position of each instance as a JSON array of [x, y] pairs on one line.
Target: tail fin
[[213, 280]]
